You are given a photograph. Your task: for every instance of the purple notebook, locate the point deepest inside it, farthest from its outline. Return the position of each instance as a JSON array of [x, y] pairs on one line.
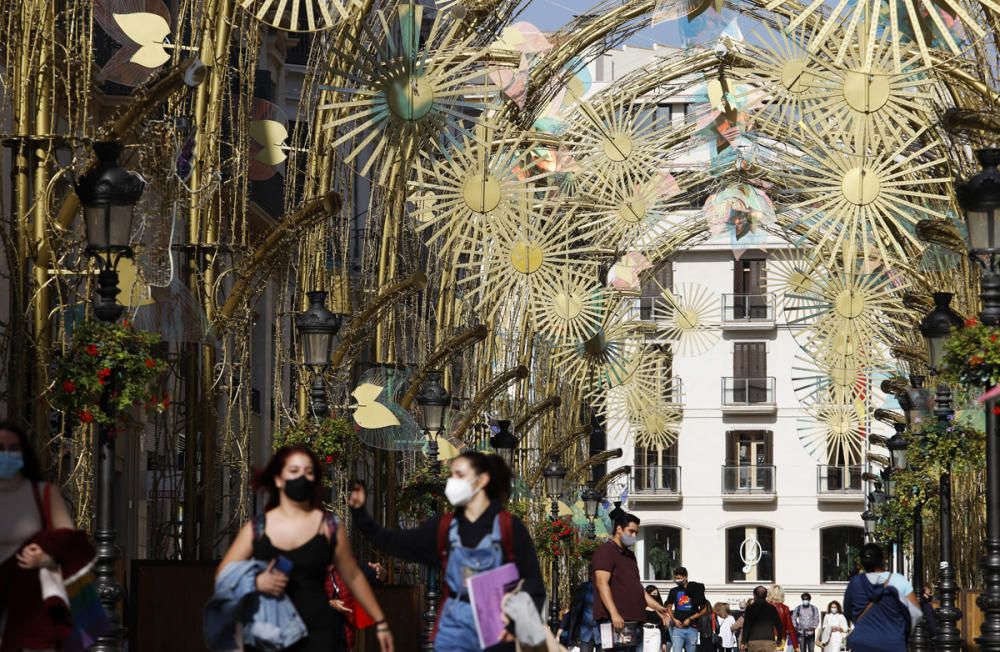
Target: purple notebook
[[486, 592]]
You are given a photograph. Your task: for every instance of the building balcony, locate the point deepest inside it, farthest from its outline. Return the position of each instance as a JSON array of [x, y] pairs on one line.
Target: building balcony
[[748, 395], [672, 393], [654, 309], [748, 484], [748, 311], [655, 484], [839, 484]]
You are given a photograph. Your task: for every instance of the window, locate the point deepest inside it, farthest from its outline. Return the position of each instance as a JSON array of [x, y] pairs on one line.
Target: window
[[839, 548], [749, 283], [656, 469], [750, 383], [662, 551], [749, 461], [750, 554], [649, 300]]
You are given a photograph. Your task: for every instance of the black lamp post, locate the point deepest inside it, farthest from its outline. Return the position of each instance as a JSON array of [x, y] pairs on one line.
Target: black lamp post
[[317, 327], [897, 454], [108, 194], [591, 503], [869, 519], [979, 198], [554, 474], [434, 401], [504, 442], [936, 327]]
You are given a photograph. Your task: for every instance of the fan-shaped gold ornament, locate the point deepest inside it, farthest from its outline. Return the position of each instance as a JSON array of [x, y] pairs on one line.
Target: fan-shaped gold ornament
[[834, 434], [301, 15], [570, 310], [406, 91], [692, 318]]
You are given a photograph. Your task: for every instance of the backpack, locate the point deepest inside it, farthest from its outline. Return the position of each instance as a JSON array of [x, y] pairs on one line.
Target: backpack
[[444, 550], [884, 623]]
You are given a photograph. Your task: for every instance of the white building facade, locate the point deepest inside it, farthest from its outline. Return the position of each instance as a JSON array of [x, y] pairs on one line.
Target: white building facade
[[737, 500]]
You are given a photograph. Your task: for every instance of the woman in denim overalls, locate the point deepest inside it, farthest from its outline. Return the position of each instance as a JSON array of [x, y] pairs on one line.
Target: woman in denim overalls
[[472, 539]]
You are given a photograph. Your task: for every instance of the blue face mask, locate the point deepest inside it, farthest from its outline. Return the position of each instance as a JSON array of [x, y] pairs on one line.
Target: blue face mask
[[10, 464]]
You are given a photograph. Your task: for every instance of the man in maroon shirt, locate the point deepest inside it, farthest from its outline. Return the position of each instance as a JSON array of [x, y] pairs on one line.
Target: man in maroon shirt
[[621, 597]]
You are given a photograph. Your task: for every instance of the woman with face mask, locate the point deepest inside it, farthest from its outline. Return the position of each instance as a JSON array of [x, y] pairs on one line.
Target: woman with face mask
[[298, 539], [835, 628], [478, 536], [33, 517]]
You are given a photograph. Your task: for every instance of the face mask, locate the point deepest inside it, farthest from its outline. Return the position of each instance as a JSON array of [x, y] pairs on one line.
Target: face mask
[[834, 610], [679, 583], [805, 603], [300, 488], [459, 492], [628, 540], [10, 464]]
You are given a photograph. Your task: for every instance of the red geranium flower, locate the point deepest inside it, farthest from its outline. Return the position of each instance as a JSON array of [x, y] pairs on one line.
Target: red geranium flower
[[150, 363], [91, 349], [165, 403], [68, 386], [86, 416], [996, 409], [104, 373], [969, 323], [329, 459]]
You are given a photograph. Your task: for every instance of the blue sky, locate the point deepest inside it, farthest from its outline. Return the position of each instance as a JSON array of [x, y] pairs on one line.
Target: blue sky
[[550, 15]]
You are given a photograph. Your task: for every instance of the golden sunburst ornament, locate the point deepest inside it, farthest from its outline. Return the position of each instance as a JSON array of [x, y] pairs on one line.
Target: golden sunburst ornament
[[649, 399], [571, 309], [523, 255], [825, 376], [618, 138], [782, 66], [860, 105], [849, 312], [491, 178], [833, 432], [692, 318], [619, 213], [301, 15], [610, 356], [407, 90], [869, 22], [868, 202]]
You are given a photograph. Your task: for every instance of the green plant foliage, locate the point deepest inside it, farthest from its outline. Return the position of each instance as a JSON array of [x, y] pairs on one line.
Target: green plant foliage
[[937, 446], [334, 439], [972, 355], [421, 495], [106, 370]]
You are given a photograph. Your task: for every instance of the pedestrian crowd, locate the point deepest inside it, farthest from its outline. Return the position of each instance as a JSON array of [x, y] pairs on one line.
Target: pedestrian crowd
[[290, 581]]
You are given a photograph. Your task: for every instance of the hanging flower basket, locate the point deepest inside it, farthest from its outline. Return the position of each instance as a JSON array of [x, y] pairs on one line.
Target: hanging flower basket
[[107, 369], [335, 440], [422, 491], [555, 538], [972, 355]]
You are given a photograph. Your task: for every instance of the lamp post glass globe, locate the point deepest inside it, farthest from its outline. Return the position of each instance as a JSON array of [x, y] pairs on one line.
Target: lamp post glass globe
[[554, 475], [504, 442], [979, 198], [919, 402], [108, 194], [434, 401], [591, 500], [937, 327], [897, 449], [317, 327]]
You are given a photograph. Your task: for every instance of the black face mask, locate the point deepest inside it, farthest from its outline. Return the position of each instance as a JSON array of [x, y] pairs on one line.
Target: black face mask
[[300, 488]]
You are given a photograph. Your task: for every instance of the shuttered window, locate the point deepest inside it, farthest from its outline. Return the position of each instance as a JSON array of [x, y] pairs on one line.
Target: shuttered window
[[750, 372], [749, 287]]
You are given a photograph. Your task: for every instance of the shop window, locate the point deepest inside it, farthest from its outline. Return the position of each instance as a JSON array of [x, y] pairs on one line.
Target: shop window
[[839, 548], [750, 554]]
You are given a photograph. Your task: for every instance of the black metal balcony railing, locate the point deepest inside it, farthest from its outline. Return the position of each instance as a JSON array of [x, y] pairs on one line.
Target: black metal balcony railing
[[656, 479], [748, 479], [673, 392], [742, 308], [839, 479], [747, 391]]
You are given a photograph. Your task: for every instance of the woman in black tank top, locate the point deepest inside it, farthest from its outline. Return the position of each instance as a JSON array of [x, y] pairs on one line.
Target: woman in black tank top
[[296, 528]]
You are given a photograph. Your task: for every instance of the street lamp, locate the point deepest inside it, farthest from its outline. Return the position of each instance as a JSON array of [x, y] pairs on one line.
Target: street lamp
[[434, 401], [917, 402], [554, 474], [591, 503], [869, 518], [504, 442], [108, 194], [897, 454], [937, 327], [979, 198], [317, 327]]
